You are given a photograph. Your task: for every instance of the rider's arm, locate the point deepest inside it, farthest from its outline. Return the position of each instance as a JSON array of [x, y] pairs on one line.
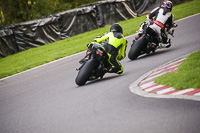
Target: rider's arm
[[122, 51], [101, 39], [171, 24], [152, 13]]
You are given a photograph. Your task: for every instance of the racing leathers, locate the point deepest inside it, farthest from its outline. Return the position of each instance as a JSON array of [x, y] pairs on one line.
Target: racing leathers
[[162, 22], [115, 44]]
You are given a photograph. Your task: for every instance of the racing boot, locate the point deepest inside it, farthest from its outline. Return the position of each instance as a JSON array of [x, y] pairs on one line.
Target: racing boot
[[112, 70], [166, 44]]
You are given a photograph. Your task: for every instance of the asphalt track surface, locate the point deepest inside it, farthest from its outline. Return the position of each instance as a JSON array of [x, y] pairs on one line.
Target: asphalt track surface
[[47, 100]]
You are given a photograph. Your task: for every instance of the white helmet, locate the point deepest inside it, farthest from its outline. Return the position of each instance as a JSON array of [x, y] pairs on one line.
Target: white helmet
[[167, 4]]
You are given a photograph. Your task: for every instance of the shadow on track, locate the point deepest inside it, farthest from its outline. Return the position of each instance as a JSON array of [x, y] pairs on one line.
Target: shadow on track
[[152, 54], [111, 76]]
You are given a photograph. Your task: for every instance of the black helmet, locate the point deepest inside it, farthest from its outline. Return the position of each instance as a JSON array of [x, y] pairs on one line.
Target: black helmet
[[168, 4], [116, 27]]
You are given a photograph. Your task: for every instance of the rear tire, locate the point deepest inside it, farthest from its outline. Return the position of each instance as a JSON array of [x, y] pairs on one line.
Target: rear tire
[[136, 48], [85, 72]]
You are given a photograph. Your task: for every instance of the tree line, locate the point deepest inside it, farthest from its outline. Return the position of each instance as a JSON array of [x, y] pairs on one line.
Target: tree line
[[16, 11]]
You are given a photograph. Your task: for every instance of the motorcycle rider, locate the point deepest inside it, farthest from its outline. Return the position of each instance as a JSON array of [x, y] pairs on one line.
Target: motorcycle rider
[[115, 44], [162, 22]]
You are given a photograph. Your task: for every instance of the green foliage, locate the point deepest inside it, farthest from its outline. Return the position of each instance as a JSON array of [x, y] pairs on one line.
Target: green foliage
[[44, 7], [16, 11]]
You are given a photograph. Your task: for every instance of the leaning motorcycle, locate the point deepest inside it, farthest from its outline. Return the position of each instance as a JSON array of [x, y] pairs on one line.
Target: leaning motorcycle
[[148, 42], [95, 67]]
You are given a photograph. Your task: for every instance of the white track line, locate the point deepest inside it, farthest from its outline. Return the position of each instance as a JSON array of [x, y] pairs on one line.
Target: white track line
[[165, 90], [197, 94], [147, 85], [153, 88], [183, 91]]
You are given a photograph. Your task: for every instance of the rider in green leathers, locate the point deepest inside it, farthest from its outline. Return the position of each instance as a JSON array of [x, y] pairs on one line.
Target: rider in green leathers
[[115, 44]]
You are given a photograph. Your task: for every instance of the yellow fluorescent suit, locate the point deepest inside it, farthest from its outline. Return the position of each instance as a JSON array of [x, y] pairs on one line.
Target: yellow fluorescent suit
[[115, 44]]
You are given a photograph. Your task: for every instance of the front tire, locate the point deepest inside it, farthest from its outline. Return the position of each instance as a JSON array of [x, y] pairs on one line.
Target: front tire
[[85, 72]]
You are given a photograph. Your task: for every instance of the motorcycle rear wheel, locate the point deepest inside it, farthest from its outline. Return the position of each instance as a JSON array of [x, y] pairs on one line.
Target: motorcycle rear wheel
[[136, 48], [85, 72]]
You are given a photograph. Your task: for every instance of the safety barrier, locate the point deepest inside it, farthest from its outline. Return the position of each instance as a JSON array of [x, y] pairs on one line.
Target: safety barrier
[[23, 36]]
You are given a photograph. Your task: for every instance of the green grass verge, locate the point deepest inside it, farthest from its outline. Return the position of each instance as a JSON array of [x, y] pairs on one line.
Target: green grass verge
[[37, 56], [187, 75]]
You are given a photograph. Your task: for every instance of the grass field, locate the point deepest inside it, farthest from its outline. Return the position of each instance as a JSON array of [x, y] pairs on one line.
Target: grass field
[[187, 76], [37, 56]]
